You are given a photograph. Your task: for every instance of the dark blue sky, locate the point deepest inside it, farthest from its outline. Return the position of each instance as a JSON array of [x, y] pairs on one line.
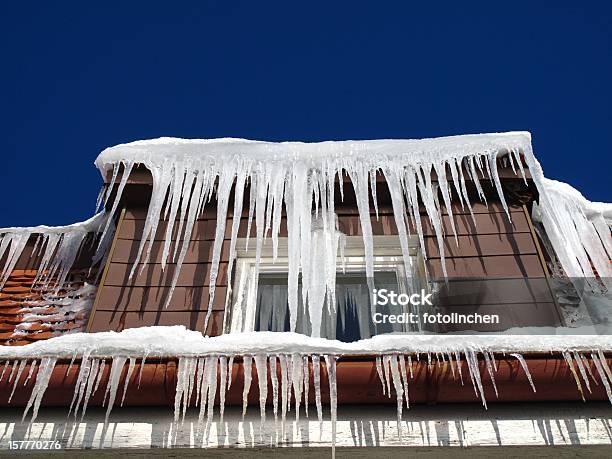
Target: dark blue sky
[[77, 77]]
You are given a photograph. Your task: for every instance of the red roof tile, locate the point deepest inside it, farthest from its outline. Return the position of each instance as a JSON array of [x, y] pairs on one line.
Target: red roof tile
[[26, 318]]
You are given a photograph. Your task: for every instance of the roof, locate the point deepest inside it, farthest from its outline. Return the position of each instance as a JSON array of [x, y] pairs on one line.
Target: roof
[[30, 313], [47, 277], [410, 150]]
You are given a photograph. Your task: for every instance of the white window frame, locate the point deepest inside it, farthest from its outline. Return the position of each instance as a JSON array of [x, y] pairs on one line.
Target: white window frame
[[241, 295]]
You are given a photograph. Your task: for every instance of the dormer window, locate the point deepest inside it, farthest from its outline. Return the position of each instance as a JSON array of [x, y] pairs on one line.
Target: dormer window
[[264, 306]]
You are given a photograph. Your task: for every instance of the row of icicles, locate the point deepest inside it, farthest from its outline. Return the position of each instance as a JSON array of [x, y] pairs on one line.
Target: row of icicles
[[204, 377]]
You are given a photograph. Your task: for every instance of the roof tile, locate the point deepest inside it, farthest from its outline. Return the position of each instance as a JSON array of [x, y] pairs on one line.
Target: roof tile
[[26, 318]]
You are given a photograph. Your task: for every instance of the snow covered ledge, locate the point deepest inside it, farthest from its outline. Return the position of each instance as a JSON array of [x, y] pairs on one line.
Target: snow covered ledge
[[290, 364]]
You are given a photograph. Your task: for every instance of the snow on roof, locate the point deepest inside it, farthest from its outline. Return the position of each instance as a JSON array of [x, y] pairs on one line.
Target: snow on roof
[[590, 209], [177, 341], [57, 245], [150, 152]]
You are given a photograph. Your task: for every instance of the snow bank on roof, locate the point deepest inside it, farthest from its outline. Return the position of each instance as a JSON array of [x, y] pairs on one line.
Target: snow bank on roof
[[90, 225], [58, 247], [177, 341], [150, 152], [590, 209], [578, 229]]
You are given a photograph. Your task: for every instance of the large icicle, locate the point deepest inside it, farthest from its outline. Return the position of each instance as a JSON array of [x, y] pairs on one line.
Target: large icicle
[[247, 368], [45, 370], [261, 364]]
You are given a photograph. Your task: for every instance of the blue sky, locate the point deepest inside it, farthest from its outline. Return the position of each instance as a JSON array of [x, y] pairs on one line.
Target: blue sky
[[77, 77]]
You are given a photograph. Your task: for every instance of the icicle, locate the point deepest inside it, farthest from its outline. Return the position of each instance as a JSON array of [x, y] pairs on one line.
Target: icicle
[[404, 378], [252, 200], [490, 370], [285, 390], [274, 379], [22, 365], [92, 378], [397, 201], [410, 366], [316, 367], [568, 359], [359, 175], [211, 365], [181, 385], [226, 180], [493, 361], [81, 384], [262, 379], [459, 365], [247, 368], [492, 164], [222, 385], [230, 366], [131, 366], [604, 364], [74, 356], [440, 169], [450, 362], [100, 374], [472, 361], [386, 363], [13, 370], [602, 375], [297, 379], [99, 198], [17, 243], [199, 378], [6, 364], [399, 392], [521, 360], [31, 372], [373, 191], [585, 363], [45, 370], [205, 381], [330, 360], [113, 384], [306, 385], [379, 370], [582, 370], [191, 375]]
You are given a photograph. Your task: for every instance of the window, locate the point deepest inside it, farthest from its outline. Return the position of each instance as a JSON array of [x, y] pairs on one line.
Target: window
[[263, 306]]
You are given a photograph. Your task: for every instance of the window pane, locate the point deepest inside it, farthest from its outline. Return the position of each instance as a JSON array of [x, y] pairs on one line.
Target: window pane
[[352, 319]]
